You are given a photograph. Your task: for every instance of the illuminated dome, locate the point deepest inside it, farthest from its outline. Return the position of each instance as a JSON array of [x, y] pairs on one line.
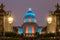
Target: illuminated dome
[[29, 14]]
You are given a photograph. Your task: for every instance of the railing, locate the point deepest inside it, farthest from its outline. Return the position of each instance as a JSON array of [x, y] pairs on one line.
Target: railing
[[10, 38], [36, 38]]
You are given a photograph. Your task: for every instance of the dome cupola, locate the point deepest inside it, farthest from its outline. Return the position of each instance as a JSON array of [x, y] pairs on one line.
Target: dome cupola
[[29, 14]]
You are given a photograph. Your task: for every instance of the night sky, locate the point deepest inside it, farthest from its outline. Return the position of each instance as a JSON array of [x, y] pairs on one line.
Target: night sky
[[40, 7]]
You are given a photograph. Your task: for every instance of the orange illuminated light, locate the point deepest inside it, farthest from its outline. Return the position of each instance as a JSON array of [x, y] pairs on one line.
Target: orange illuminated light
[[26, 29], [33, 30]]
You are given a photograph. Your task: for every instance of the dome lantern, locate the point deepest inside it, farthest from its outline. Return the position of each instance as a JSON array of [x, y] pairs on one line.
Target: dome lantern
[[29, 9]]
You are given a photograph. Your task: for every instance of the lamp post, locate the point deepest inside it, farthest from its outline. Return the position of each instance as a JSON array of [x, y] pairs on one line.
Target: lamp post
[[3, 31]]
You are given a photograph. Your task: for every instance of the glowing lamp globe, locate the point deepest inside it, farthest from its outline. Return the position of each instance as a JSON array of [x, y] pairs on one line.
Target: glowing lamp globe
[[10, 20], [49, 20]]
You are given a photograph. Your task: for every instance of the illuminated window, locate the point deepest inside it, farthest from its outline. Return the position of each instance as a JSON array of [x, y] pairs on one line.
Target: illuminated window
[[30, 20], [35, 20]]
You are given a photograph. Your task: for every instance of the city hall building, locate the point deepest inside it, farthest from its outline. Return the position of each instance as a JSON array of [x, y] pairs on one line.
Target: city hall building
[[29, 26]]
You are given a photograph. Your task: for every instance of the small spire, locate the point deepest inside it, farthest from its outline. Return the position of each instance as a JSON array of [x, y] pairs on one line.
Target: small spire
[[57, 6], [2, 6], [50, 12]]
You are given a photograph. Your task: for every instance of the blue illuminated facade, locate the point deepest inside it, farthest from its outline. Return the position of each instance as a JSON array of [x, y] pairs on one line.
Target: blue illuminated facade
[[39, 30], [30, 14], [26, 19], [29, 29], [30, 23], [20, 31], [32, 20]]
